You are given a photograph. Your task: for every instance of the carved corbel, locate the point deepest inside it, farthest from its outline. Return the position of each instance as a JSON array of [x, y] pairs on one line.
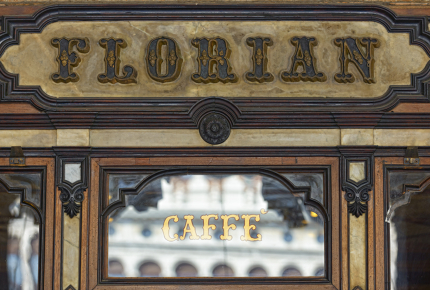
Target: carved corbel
[[72, 179], [357, 178]]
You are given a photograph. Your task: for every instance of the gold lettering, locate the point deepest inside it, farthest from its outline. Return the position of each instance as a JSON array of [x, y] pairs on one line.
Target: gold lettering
[[226, 227], [248, 227], [166, 228], [207, 226], [189, 228]]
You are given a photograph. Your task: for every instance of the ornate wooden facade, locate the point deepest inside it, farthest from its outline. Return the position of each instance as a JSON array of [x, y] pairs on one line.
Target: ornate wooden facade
[[272, 91]]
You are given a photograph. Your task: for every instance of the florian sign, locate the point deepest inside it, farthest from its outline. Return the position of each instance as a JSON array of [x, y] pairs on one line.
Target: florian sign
[[203, 58], [110, 56], [189, 227], [213, 60]]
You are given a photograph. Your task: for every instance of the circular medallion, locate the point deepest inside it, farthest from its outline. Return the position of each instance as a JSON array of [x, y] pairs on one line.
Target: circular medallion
[[214, 128]]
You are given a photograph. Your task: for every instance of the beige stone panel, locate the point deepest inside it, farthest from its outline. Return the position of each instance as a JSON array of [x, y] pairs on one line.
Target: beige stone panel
[[191, 138], [28, 138], [34, 59], [73, 137], [402, 137], [355, 137], [71, 235], [283, 137], [356, 171], [146, 138], [357, 252]]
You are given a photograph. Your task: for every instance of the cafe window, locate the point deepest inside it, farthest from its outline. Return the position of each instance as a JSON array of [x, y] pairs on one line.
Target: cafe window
[[225, 223]]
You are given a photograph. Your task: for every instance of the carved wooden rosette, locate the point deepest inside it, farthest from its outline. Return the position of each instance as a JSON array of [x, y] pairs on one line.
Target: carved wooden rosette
[[357, 179], [214, 117], [214, 128]]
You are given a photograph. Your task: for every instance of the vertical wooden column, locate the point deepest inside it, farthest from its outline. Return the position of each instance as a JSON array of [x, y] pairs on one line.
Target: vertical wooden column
[[72, 182], [357, 184]]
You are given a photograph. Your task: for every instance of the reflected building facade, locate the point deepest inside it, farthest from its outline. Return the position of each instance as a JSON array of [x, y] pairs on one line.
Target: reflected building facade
[[292, 233]]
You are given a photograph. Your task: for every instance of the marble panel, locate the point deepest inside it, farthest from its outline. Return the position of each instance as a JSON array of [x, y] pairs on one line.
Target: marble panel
[[72, 172], [73, 137], [357, 171], [71, 262], [28, 138], [402, 137], [356, 137], [358, 253], [191, 138]]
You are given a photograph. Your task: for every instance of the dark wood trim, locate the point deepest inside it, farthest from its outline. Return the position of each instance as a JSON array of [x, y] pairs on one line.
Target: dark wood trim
[[259, 153], [173, 112], [183, 120]]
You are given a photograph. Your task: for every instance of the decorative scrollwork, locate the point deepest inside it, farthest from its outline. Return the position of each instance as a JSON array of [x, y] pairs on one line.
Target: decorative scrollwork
[[214, 128], [72, 199], [357, 200]]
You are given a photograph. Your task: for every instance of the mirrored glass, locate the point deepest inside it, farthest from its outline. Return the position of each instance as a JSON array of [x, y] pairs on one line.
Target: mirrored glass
[[314, 180], [118, 181], [31, 182], [238, 225], [19, 239]]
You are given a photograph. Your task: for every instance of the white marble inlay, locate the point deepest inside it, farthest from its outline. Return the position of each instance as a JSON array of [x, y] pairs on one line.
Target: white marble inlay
[[72, 172], [356, 171]]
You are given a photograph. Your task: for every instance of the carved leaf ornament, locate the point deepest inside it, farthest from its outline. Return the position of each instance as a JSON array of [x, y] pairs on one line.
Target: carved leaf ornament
[[71, 199], [357, 200]]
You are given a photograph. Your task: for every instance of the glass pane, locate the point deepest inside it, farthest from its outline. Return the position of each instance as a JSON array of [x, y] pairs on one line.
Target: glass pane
[[215, 226], [410, 244], [31, 182], [397, 179], [314, 180], [19, 234], [119, 181]]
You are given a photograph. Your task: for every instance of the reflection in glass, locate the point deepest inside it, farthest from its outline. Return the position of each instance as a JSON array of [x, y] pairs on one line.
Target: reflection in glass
[[19, 232], [31, 182], [223, 271], [291, 272], [257, 272], [410, 244], [115, 269], [319, 272], [219, 225], [118, 181], [186, 270], [150, 269], [314, 180]]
